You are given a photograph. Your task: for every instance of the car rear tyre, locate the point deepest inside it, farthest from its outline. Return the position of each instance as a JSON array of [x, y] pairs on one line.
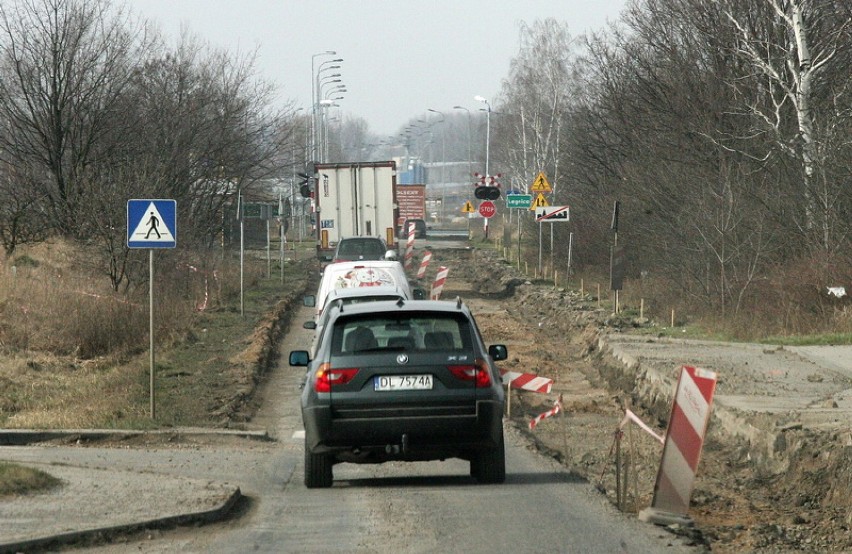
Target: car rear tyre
[[318, 472], [489, 466]]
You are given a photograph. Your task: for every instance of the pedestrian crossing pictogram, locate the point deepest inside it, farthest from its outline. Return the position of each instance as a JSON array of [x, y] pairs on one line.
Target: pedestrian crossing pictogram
[[540, 183], [151, 224]]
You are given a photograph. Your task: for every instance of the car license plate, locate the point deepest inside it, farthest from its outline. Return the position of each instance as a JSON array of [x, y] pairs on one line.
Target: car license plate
[[402, 382]]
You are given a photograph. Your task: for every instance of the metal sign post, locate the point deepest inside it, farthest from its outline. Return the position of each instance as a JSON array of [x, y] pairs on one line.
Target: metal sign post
[[281, 235], [151, 224]]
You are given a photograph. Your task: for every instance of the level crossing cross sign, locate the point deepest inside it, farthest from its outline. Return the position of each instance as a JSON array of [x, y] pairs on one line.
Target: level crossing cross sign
[[151, 223]]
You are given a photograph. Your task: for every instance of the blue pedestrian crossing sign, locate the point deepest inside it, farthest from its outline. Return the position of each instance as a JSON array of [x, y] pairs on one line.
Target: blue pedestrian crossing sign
[[151, 223]]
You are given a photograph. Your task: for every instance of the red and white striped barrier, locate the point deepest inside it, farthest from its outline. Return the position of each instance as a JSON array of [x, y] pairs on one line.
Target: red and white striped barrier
[[424, 263], [409, 247], [551, 412], [630, 416], [438, 285], [682, 448], [526, 381]]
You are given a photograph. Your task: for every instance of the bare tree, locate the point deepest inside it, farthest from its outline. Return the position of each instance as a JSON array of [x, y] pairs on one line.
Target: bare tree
[[64, 65], [535, 103], [21, 219], [799, 51]]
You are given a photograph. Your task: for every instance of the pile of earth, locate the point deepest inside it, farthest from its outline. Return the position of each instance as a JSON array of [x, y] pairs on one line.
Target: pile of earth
[[799, 500]]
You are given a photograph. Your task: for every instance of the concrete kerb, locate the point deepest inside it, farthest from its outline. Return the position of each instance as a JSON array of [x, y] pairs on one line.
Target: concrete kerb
[[219, 511], [72, 537], [21, 437], [657, 390]]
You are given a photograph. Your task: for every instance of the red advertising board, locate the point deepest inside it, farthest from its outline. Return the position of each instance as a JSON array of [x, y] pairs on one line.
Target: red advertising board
[[411, 200]]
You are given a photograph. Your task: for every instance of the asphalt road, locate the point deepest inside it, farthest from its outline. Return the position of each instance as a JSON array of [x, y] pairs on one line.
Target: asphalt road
[[421, 507]]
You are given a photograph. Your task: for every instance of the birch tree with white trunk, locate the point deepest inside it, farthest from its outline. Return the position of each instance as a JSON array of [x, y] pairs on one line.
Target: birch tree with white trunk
[[794, 55]]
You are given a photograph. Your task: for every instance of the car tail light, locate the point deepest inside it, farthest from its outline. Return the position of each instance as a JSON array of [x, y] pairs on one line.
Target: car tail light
[[478, 373], [326, 378]]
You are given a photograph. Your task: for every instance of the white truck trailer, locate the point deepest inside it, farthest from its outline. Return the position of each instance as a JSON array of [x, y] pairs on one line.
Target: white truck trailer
[[356, 199]]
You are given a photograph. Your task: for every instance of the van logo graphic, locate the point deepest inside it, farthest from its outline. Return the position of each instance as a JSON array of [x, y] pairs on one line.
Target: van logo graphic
[[402, 359]]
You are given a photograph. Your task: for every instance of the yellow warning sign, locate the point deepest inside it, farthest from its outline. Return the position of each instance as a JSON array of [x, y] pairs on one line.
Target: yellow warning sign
[[540, 183], [539, 202], [468, 208]]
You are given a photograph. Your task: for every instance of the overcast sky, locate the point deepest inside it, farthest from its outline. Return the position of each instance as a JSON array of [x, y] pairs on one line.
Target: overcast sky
[[401, 57]]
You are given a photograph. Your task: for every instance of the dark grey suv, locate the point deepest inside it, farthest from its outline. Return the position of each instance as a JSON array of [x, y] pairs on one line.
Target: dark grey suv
[[405, 380]]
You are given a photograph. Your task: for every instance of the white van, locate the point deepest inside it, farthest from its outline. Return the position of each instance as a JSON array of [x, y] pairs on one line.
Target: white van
[[352, 295], [362, 273]]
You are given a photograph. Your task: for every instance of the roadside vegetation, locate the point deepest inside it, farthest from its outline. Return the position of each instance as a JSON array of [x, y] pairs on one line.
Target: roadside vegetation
[[18, 480], [792, 315], [704, 142], [74, 353], [714, 158]]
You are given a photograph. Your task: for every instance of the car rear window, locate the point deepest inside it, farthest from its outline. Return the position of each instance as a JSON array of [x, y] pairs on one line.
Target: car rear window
[[425, 331], [359, 247]]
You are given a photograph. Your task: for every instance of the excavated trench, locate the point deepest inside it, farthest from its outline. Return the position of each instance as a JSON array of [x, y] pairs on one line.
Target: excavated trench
[[764, 487]]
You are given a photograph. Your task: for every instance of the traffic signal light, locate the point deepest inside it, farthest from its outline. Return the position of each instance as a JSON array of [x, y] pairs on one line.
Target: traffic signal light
[[487, 188], [305, 184], [487, 193]]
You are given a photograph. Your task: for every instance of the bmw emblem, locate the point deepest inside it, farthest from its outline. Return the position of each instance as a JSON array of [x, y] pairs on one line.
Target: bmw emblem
[[402, 359]]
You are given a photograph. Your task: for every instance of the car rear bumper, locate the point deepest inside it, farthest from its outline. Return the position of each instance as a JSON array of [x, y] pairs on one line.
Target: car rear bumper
[[441, 433]]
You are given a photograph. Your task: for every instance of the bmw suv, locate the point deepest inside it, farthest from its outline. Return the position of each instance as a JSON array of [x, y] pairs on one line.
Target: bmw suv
[[407, 380]]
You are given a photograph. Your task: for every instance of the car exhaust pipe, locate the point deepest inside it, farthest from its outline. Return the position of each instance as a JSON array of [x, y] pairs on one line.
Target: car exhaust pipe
[[397, 448]]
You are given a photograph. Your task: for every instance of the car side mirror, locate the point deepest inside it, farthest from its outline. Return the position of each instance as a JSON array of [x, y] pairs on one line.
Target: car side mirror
[[497, 352], [310, 324], [391, 255], [299, 358], [309, 300], [418, 293]]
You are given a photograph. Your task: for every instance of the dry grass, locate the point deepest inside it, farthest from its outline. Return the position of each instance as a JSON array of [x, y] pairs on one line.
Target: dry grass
[[74, 354], [17, 480], [47, 391]]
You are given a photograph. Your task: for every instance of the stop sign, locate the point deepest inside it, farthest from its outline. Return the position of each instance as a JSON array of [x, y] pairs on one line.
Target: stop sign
[[487, 208]]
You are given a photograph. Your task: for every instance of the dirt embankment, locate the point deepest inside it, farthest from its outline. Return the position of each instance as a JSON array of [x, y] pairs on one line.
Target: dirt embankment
[[794, 494]]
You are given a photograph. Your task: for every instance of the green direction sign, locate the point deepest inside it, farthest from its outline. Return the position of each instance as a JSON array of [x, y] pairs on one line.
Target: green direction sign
[[260, 210], [521, 201], [252, 210]]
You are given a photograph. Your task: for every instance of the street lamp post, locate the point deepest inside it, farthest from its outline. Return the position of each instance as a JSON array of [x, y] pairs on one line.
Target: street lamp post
[[487, 144], [321, 103], [314, 96], [443, 164], [469, 161], [329, 102]]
